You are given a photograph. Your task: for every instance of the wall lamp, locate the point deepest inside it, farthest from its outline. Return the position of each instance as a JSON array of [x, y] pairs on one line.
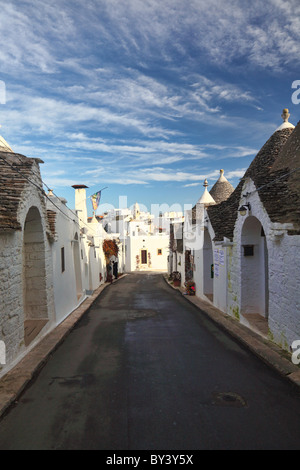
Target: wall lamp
[[243, 209]]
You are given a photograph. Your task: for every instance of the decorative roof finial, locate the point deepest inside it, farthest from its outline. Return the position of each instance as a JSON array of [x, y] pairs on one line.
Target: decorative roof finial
[[206, 198], [285, 115], [286, 124]]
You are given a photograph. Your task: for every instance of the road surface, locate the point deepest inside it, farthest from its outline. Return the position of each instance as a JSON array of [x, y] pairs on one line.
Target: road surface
[[145, 370]]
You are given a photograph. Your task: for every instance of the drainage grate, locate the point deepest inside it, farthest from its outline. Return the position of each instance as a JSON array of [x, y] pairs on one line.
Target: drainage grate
[[228, 399]]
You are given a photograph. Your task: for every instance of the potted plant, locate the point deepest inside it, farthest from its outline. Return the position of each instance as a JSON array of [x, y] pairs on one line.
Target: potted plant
[[190, 287], [176, 276]]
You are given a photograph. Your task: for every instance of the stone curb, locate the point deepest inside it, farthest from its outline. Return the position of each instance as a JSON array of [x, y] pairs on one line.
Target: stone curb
[[269, 352], [13, 383]]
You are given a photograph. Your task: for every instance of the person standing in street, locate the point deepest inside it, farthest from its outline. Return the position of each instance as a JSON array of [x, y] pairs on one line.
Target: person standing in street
[[115, 269]]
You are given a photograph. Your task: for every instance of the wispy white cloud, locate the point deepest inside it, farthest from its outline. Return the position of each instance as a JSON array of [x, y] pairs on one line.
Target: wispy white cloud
[[155, 174], [190, 185], [143, 92], [236, 173], [225, 31], [55, 182], [207, 90], [265, 34], [126, 181], [46, 115]]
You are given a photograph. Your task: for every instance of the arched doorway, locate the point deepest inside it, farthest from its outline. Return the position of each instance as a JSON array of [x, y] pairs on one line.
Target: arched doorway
[[34, 276], [254, 270], [208, 282]]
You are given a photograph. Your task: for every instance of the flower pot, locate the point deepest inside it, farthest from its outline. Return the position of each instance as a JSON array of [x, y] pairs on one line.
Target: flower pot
[[176, 283]]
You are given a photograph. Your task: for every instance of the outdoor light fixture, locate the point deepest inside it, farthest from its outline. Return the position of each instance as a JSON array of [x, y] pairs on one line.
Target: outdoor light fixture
[[243, 209]]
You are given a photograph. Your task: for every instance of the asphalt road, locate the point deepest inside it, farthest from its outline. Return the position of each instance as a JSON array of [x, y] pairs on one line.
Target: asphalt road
[[145, 370]]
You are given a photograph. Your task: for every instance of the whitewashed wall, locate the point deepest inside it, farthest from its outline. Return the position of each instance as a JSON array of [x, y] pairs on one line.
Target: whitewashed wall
[[151, 243], [33, 285], [84, 259], [284, 282], [266, 283], [193, 241], [11, 295], [220, 276], [207, 253], [180, 265], [282, 274], [242, 270], [176, 258], [68, 284], [21, 276]]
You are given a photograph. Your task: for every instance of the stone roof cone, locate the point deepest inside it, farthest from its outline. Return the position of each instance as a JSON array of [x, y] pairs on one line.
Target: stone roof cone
[[277, 198], [206, 197], [222, 189]]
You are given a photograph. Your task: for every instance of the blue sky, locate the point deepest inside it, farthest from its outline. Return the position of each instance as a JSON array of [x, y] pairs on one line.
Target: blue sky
[[145, 97]]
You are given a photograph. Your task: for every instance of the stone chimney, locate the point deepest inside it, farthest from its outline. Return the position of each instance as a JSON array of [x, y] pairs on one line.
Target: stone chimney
[[80, 201]]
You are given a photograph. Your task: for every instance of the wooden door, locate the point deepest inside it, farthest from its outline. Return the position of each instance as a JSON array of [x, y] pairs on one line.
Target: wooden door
[[144, 256]]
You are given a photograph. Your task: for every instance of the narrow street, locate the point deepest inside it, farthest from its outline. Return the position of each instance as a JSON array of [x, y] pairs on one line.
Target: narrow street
[[145, 370]]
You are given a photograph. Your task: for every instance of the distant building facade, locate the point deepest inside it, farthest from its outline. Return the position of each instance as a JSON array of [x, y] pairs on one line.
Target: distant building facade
[[144, 238]]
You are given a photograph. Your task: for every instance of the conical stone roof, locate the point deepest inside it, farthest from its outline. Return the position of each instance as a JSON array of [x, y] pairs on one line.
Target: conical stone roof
[[204, 201], [206, 197], [222, 189], [223, 216]]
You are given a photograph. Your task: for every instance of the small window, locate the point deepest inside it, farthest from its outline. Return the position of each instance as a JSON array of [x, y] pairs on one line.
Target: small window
[[159, 251], [248, 250], [62, 257]]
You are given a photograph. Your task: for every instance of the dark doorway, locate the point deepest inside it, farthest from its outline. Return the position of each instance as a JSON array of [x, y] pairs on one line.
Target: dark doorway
[[144, 256]]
